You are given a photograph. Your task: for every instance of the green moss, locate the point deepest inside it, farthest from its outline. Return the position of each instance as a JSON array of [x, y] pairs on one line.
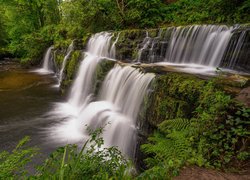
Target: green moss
[[153, 32], [85, 39], [213, 133], [127, 44], [72, 64], [71, 68], [101, 71], [174, 96], [59, 56], [62, 44]]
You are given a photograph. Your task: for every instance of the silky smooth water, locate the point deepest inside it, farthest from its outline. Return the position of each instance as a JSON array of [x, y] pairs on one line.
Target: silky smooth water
[[65, 59], [110, 109], [47, 63]]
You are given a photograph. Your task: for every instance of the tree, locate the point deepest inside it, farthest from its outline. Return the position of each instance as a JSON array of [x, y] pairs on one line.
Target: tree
[[25, 17]]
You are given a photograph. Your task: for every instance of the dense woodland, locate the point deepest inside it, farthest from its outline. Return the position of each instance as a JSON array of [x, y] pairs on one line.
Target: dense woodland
[[27, 28]]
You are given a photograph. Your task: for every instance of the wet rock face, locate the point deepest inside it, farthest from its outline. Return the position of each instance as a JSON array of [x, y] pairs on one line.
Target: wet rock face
[[174, 96], [127, 44], [244, 96], [238, 58]]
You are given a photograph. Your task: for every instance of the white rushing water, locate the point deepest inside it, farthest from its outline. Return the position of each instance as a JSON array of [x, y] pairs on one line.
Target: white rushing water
[[97, 49], [113, 47], [47, 66], [236, 50], [145, 43], [118, 106], [110, 108], [204, 45]]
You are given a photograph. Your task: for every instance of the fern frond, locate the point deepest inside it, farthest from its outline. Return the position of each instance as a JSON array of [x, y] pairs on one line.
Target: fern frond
[[174, 124]]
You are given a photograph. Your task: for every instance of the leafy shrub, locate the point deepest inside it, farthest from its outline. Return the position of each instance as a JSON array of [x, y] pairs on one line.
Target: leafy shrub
[[12, 165], [92, 162], [216, 135]]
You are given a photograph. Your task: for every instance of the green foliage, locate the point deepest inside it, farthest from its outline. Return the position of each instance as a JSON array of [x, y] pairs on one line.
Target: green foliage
[[145, 13], [12, 165], [92, 162], [169, 153], [51, 21], [208, 11], [176, 124], [216, 135], [23, 21], [228, 137]]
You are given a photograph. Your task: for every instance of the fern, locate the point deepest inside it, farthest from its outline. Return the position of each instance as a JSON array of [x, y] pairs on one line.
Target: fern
[[176, 124], [168, 151]]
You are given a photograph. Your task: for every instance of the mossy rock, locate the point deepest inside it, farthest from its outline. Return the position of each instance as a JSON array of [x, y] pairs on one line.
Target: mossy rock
[[73, 64], [175, 95], [234, 81], [127, 44], [153, 32], [62, 44], [71, 68], [58, 57], [101, 71]]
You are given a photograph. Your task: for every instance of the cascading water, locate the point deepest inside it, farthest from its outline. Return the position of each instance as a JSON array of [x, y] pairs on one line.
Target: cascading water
[[48, 64], [110, 106], [69, 51], [97, 49], [113, 48], [203, 45], [119, 114], [145, 45], [236, 49], [198, 48]]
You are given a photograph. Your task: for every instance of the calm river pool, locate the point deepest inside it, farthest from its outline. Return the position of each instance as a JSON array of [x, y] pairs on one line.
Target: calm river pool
[[25, 99]]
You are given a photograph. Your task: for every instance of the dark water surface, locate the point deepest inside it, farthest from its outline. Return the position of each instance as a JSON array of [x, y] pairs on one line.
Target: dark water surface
[[25, 98]]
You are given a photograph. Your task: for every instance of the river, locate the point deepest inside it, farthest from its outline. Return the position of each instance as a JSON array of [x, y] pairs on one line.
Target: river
[[25, 98]]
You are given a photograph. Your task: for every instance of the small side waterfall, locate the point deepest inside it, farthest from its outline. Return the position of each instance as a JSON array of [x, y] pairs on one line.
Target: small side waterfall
[[68, 53], [48, 64], [145, 44], [113, 48]]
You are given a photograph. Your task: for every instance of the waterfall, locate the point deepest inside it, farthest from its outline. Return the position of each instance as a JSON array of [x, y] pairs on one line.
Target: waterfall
[[204, 45], [68, 53], [47, 66], [197, 46], [113, 48], [145, 45], [97, 49], [119, 114], [236, 50], [110, 109]]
